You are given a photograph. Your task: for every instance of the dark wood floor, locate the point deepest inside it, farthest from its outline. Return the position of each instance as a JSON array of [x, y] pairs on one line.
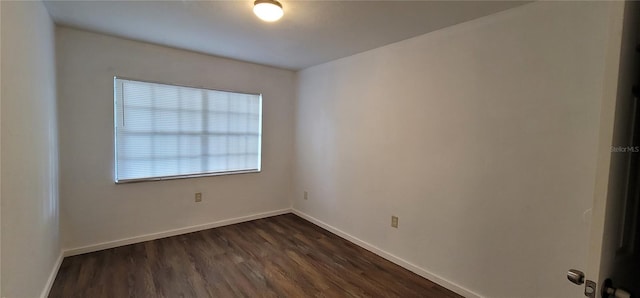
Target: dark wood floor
[[281, 256]]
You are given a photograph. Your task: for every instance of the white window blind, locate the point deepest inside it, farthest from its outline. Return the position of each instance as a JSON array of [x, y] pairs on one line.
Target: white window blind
[[165, 131]]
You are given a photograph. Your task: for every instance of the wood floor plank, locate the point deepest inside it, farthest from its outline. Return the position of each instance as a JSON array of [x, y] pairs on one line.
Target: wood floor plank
[[280, 256]]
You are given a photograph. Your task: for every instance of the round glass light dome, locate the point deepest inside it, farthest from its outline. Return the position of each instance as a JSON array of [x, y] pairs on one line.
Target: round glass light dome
[[268, 10]]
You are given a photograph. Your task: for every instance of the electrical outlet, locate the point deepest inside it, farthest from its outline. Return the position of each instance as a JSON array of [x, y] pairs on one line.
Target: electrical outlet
[[394, 221], [306, 195], [198, 197]]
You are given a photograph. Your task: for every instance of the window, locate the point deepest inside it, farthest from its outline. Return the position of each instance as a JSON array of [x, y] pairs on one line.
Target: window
[[167, 132]]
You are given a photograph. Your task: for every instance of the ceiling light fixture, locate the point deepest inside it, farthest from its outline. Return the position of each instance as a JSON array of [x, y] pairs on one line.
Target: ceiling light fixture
[[268, 10]]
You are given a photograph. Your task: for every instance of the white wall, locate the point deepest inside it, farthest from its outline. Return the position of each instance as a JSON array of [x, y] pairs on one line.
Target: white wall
[[30, 241], [481, 137], [95, 209]]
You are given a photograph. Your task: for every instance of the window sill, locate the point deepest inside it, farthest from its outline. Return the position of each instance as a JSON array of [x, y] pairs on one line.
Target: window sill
[[149, 179]]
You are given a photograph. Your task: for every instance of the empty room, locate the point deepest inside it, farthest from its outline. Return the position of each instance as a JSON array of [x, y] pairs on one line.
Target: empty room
[[285, 148]]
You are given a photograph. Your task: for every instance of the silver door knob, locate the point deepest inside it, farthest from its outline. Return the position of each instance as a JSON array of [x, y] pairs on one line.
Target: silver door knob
[[609, 291], [617, 293], [575, 276]]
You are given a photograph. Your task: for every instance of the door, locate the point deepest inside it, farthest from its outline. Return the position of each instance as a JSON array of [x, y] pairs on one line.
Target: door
[[620, 261], [614, 261]]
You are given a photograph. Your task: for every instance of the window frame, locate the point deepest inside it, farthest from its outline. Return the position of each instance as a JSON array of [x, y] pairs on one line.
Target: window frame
[[184, 176]]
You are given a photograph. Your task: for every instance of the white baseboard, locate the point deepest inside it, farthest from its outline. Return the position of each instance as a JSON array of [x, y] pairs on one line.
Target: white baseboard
[[398, 261], [147, 237], [169, 233], [52, 276]]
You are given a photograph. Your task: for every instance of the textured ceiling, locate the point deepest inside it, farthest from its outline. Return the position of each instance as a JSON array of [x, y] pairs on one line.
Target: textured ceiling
[[310, 33]]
